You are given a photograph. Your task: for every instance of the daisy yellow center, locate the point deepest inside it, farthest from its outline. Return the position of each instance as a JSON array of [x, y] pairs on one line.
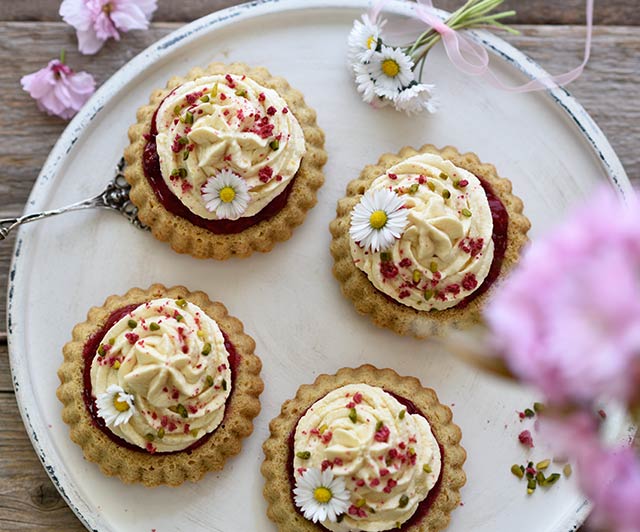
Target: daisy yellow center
[[120, 406], [378, 219], [227, 194], [371, 41], [390, 68], [322, 495]]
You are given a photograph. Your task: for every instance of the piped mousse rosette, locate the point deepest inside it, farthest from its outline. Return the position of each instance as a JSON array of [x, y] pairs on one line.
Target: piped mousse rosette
[[160, 386], [422, 237], [225, 161], [363, 450]]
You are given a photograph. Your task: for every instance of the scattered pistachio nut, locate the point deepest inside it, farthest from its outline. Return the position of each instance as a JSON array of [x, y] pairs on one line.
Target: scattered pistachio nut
[[206, 349], [402, 413], [132, 324], [154, 326], [353, 415], [517, 470], [303, 455], [404, 500]]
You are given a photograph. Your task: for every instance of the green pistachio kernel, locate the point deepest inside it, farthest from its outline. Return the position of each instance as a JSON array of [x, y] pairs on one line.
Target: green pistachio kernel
[[112, 341], [209, 381], [531, 486], [241, 92], [182, 303], [428, 294], [303, 455], [446, 194], [154, 326], [132, 324], [411, 451], [183, 141], [417, 276], [224, 385], [541, 466], [552, 479], [179, 317], [402, 413], [414, 188], [517, 470], [149, 437], [540, 478], [161, 433], [102, 351], [205, 98], [567, 470], [185, 155], [385, 256], [427, 468], [443, 175], [188, 117], [433, 267], [353, 415], [179, 409], [538, 407], [179, 172], [431, 185], [529, 413], [193, 432], [360, 503], [379, 425], [322, 428], [214, 91], [177, 109], [274, 144], [206, 349], [404, 500], [466, 212]]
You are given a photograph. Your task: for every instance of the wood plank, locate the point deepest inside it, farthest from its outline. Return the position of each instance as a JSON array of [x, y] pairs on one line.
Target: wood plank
[[28, 499], [529, 12]]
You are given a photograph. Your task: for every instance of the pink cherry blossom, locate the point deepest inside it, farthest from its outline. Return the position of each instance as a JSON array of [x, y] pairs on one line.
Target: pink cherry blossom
[[58, 90], [568, 318], [96, 21]]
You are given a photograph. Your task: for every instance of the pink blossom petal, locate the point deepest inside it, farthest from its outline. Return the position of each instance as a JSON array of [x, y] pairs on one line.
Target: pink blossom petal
[[88, 42], [77, 14], [58, 90], [129, 16], [104, 27]]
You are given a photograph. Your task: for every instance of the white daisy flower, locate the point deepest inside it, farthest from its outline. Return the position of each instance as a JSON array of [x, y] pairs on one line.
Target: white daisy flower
[[364, 38], [226, 194], [378, 220], [321, 496], [115, 406], [416, 98], [365, 82], [392, 70]]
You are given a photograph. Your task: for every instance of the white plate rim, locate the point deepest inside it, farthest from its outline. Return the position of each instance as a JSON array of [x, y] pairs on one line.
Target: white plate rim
[[212, 22]]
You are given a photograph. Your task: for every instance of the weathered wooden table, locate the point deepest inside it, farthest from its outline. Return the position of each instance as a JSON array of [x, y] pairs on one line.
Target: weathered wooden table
[[31, 34]]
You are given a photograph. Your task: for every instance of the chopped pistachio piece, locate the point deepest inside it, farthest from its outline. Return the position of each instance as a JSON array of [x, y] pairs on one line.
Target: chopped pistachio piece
[[193, 432], [112, 341], [224, 385], [540, 478], [149, 437], [241, 92], [385, 256], [303, 455], [402, 413], [179, 409], [443, 175], [353, 415], [446, 194], [116, 364], [428, 294], [379, 425], [274, 144], [404, 500], [183, 141], [517, 470], [567, 470], [161, 432], [154, 326], [182, 303], [531, 486], [205, 98], [543, 464], [102, 351], [529, 413], [132, 324], [467, 213], [431, 185], [360, 503], [214, 91], [417, 276], [427, 468], [538, 407], [188, 118], [552, 479], [179, 317], [414, 188], [433, 266], [177, 109], [185, 155], [209, 381], [322, 429]]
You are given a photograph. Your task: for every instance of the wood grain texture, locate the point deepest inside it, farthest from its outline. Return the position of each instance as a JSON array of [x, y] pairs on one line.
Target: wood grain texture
[[608, 90], [528, 11]]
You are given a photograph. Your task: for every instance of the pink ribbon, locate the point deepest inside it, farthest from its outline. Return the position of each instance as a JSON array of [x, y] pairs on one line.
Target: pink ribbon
[[472, 58]]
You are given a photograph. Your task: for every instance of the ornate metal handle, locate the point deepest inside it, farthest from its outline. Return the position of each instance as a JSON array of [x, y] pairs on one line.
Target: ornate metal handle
[[115, 196]]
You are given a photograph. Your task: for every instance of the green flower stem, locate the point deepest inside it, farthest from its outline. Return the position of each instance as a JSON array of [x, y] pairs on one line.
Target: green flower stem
[[473, 14]]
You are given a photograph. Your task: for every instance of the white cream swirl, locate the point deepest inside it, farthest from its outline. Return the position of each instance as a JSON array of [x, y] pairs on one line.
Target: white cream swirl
[[389, 459], [446, 249], [170, 355], [227, 122]]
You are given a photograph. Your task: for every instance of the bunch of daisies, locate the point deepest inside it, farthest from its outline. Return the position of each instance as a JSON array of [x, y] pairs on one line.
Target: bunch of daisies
[[386, 75]]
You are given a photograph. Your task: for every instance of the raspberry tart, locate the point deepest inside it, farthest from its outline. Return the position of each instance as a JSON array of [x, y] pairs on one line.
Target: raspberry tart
[[422, 237], [225, 161], [160, 386], [363, 450]]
